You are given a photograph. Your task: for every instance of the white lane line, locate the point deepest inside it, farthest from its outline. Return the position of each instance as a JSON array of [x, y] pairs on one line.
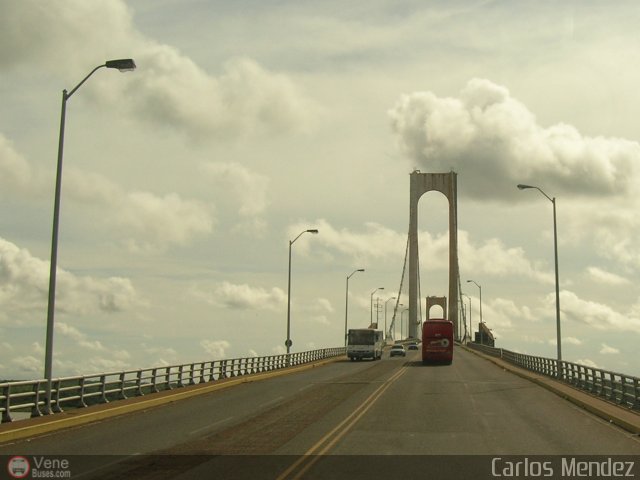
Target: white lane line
[[211, 425]]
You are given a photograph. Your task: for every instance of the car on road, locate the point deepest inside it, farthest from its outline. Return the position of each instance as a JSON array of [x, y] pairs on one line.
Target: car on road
[[413, 346], [398, 350]]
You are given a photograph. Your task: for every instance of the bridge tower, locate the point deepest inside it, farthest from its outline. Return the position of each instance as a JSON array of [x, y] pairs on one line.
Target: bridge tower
[[440, 301], [421, 183]]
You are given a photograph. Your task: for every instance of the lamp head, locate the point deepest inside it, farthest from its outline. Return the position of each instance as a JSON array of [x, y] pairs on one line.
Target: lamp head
[[360, 270], [124, 64], [314, 231], [522, 187]]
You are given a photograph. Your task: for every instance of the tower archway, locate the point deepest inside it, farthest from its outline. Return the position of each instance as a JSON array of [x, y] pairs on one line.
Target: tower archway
[[420, 183]]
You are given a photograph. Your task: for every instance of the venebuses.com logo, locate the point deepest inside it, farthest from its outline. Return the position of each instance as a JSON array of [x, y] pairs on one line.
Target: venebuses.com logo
[[18, 467]]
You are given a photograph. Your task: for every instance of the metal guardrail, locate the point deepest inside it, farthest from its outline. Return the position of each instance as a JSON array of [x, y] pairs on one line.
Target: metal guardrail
[[81, 391], [614, 387]]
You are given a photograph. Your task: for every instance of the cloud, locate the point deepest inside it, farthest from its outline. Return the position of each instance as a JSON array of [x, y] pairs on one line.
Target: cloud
[[494, 142], [243, 297], [565, 341], [27, 364], [596, 315], [148, 222], [377, 242], [216, 348], [587, 363], [607, 350], [24, 282], [494, 258], [15, 172], [604, 277], [168, 88], [248, 188], [78, 337], [171, 90]]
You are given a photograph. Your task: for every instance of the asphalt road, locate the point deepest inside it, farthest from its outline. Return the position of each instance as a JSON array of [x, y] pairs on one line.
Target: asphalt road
[[302, 425]]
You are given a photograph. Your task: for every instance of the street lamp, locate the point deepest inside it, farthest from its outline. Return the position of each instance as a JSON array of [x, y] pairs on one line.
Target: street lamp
[[379, 288], [555, 252], [385, 315], [346, 303], [470, 328], [288, 343], [479, 287], [123, 65]]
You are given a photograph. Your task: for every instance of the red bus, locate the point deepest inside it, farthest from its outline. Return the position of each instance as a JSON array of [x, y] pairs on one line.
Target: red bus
[[437, 341]]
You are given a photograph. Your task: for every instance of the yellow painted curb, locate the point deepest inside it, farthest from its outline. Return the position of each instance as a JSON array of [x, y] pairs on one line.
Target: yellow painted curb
[[81, 417]]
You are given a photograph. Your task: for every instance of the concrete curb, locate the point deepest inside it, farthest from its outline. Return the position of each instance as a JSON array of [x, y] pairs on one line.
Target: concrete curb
[[620, 416], [38, 426]]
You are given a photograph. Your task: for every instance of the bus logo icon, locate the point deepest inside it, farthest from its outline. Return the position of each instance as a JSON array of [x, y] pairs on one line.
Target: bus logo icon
[[18, 467]]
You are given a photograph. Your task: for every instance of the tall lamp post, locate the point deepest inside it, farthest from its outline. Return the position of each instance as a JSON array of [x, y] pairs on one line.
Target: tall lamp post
[[480, 288], [288, 342], [379, 288], [346, 304], [124, 65], [470, 328], [385, 315], [555, 252]]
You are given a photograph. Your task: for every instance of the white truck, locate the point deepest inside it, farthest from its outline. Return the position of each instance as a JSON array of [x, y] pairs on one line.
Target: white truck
[[365, 343]]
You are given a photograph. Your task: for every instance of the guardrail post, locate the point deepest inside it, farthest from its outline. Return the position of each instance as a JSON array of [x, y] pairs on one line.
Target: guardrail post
[[123, 395], [154, 380], [6, 412], [35, 410], [82, 389], [191, 374], [57, 408], [139, 383], [201, 379], [167, 378], [103, 389], [636, 394], [180, 370]]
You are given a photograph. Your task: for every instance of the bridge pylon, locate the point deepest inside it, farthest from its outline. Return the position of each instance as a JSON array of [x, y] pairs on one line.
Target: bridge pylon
[[421, 183]]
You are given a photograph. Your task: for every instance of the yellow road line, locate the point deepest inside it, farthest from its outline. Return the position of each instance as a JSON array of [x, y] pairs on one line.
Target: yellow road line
[[339, 431]]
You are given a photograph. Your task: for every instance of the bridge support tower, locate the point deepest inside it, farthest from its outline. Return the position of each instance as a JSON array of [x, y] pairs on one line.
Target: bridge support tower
[[421, 183]]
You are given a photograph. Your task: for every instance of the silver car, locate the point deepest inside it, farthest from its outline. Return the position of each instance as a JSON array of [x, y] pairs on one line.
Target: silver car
[[398, 350]]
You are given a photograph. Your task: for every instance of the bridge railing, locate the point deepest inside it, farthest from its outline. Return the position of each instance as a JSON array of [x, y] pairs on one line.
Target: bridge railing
[[81, 391], [612, 386]]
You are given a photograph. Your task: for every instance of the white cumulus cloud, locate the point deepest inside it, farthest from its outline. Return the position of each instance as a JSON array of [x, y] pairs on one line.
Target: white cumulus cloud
[[24, 283], [243, 296], [608, 350], [495, 142], [216, 348]]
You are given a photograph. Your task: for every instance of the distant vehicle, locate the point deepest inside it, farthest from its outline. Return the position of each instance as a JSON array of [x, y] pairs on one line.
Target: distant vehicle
[[365, 343], [437, 341], [396, 350], [412, 346]]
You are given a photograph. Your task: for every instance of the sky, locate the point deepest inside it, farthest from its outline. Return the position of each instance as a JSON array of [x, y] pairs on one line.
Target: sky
[[249, 122]]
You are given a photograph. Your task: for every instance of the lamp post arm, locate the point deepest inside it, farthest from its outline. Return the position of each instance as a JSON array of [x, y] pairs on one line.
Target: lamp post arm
[[67, 95]]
